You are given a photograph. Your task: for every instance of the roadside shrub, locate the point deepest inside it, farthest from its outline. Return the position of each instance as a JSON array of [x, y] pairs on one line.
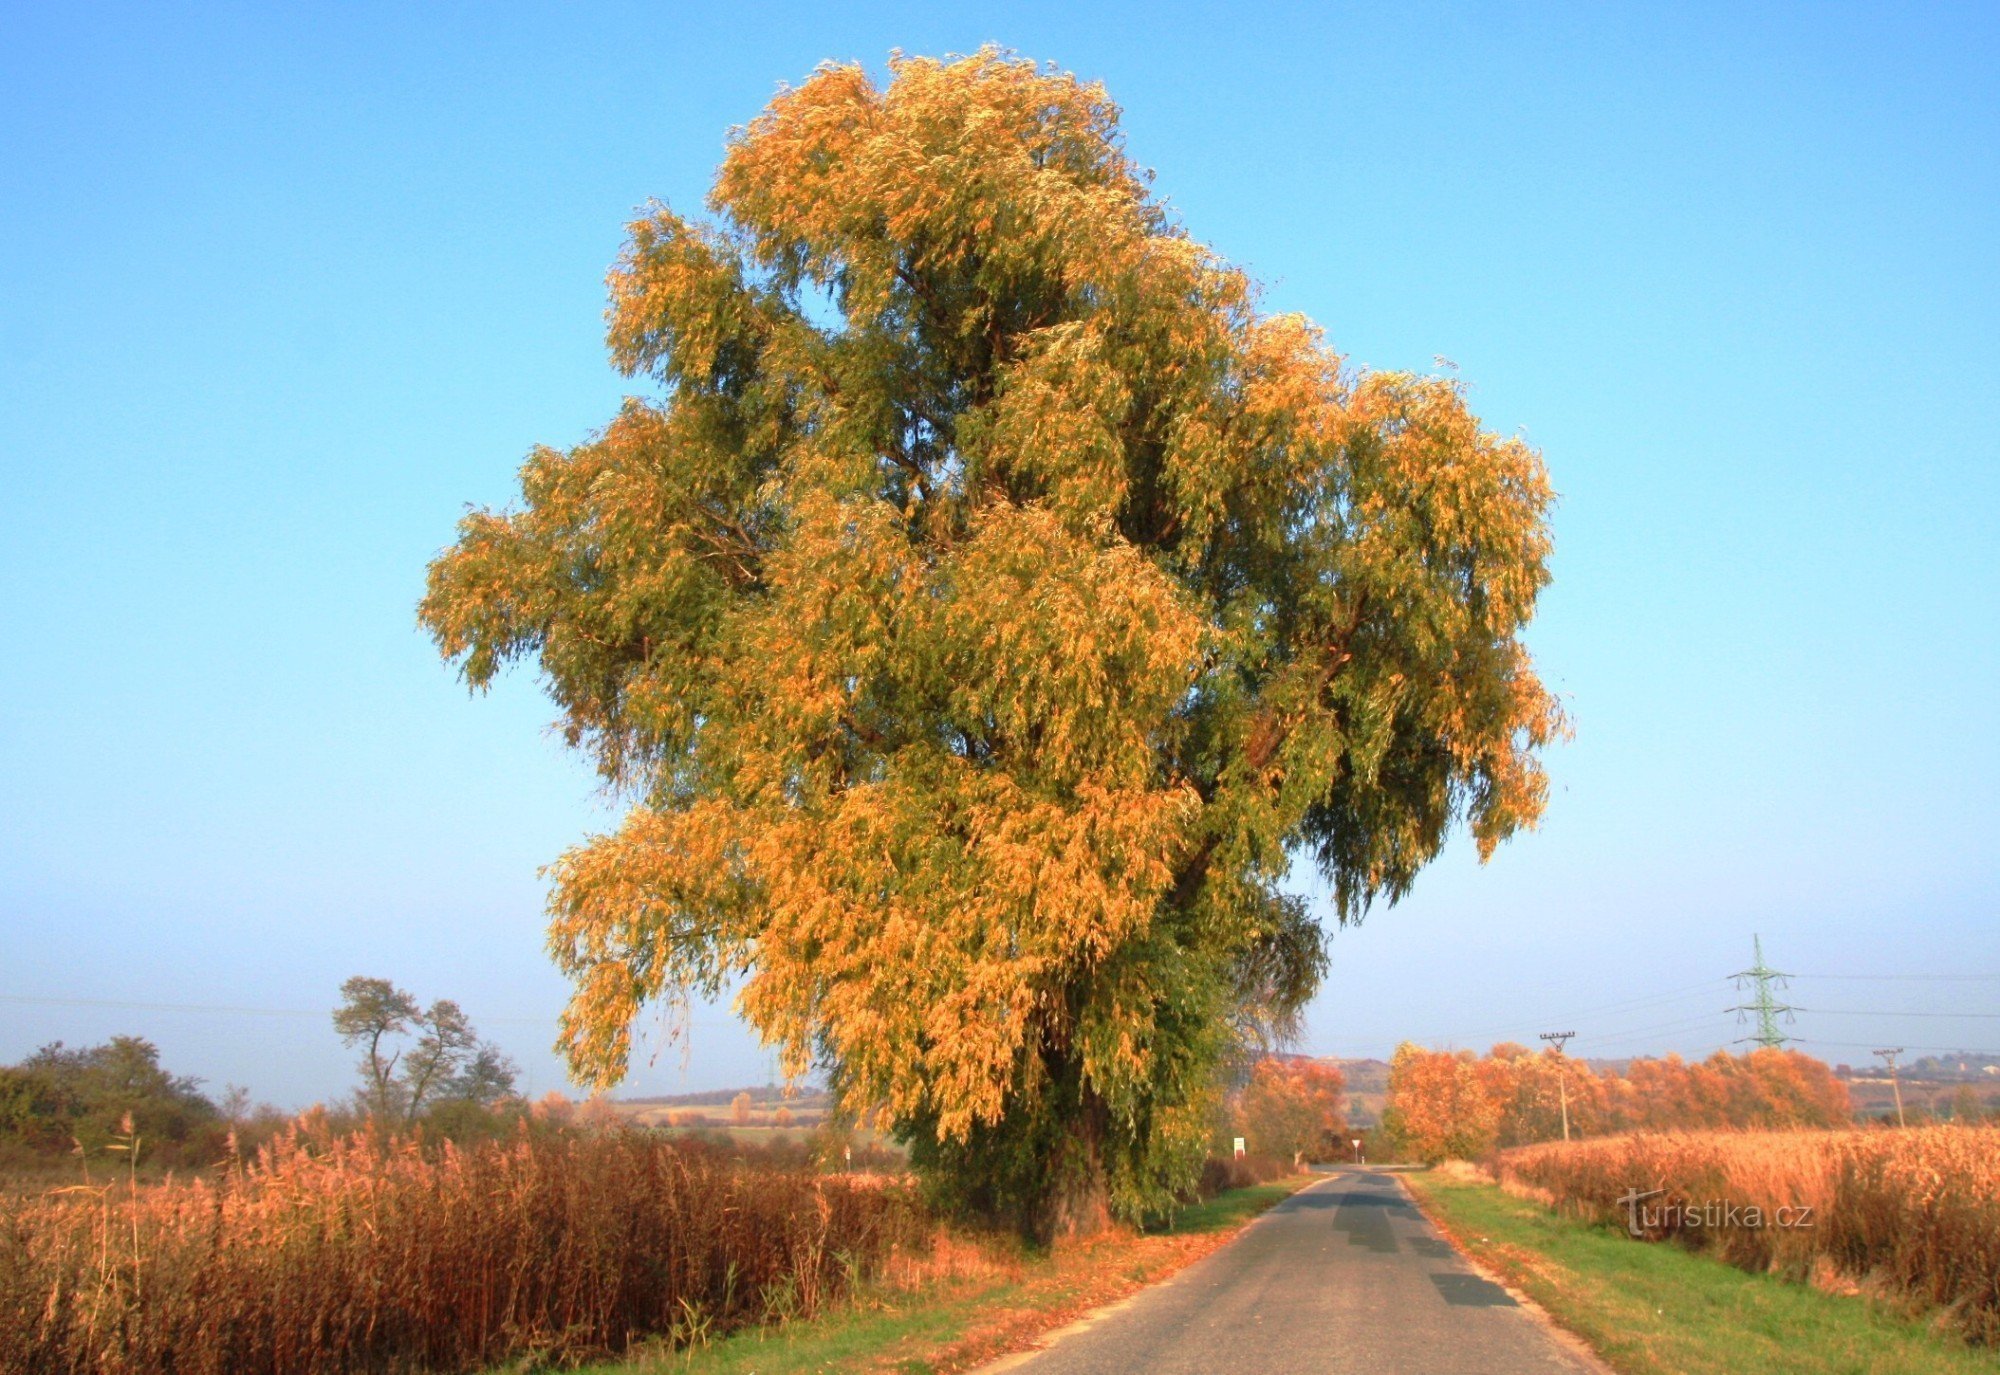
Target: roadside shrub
[[1221, 1173], [328, 1255]]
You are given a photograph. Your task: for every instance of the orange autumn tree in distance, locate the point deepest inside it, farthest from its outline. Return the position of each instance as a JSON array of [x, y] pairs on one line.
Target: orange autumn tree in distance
[[1451, 1104], [1293, 1110], [1763, 1089], [1438, 1106], [987, 603]]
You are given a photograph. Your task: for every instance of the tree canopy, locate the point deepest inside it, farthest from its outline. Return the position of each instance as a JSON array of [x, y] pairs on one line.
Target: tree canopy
[[414, 1058], [986, 606], [87, 1097], [1294, 1110]]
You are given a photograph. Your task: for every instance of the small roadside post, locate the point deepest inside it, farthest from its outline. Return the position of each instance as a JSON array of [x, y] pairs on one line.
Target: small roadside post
[[1559, 1039], [1889, 1054]]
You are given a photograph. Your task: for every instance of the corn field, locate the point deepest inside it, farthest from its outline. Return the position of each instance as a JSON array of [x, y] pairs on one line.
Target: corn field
[[348, 1255], [1910, 1215]]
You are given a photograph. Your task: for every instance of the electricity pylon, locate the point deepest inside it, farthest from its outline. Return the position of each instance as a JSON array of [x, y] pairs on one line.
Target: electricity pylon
[[1763, 1002]]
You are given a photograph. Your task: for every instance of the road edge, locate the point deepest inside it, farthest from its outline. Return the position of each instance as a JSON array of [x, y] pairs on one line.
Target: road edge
[[1572, 1342], [1037, 1343]]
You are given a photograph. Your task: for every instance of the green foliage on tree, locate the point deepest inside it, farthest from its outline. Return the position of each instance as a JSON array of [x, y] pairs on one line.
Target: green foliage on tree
[[59, 1099], [414, 1059]]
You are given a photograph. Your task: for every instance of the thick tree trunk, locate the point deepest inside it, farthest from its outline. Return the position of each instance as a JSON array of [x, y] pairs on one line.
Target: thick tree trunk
[[1076, 1200]]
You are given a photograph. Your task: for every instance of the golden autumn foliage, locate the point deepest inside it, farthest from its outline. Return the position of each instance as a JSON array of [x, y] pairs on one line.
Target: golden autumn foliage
[[989, 603], [1764, 1088], [1438, 1107], [1529, 1091], [1455, 1105]]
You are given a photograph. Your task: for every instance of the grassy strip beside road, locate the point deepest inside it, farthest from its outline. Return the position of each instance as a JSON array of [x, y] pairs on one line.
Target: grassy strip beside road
[[1655, 1309], [983, 1299]]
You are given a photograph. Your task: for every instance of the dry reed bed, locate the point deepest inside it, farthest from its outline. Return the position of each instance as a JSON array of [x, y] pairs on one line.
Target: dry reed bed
[[1911, 1214], [342, 1256]]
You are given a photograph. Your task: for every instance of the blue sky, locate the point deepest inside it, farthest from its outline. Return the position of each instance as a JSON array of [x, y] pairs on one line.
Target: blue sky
[[282, 288]]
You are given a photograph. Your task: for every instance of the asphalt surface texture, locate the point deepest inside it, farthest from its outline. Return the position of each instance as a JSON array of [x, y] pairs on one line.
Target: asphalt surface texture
[[1344, 1276]]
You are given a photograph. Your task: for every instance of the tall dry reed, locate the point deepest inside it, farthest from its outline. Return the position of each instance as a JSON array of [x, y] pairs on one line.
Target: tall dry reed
[[1912, 1214], [334, 1256]]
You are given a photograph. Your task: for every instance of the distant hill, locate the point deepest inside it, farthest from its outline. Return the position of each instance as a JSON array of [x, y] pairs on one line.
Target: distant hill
[[1931, 1086], [1963, 1066], [810, 1095], [771, 1106], [1367, 1088]]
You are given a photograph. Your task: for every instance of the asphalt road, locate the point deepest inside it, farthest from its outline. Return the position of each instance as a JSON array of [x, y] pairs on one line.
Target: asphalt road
[[1344, 1276]]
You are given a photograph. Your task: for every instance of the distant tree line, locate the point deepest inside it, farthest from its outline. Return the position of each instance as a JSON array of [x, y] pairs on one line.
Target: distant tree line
[[419, 1066], [61, 1101], [1446, 1104]]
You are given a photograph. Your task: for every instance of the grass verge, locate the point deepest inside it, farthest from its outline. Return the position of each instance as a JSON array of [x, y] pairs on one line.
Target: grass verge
[[1655, 1309], [985, 1298]]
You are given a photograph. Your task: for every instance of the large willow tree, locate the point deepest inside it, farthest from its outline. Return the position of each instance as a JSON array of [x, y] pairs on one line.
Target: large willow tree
[[984, 610]]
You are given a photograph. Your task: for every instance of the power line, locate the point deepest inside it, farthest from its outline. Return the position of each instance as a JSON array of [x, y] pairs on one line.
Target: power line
[[1626, 1005], [1684, 1024], [1922, 978], [1856, 1045], [1865, 1012], [120, 1005], [1651, 1001], [163, 1007]]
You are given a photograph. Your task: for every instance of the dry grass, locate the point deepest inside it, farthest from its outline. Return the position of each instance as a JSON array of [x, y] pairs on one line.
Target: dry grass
[[328, 1256], [1911, 1215], [971, 1297]]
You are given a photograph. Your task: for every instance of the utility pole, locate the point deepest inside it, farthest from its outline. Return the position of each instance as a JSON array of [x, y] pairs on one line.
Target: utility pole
[[1889, 1054], [1559, 1039], [1763, 1002]]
